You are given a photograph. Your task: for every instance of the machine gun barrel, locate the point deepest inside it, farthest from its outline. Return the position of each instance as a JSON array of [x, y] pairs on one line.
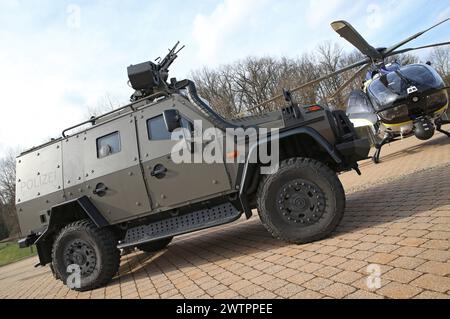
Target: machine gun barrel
[[170, 58]]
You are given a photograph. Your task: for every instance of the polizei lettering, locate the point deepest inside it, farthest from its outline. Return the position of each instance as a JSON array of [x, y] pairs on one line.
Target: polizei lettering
[[38, 181]]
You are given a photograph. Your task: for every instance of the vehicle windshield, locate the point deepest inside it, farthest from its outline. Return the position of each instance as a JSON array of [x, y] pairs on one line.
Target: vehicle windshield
[[386, 89]]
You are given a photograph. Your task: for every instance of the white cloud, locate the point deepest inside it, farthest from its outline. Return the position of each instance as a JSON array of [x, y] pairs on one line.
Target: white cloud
[[212, 32], [320, 13], [444, 14], [49, 76], [375, 16]]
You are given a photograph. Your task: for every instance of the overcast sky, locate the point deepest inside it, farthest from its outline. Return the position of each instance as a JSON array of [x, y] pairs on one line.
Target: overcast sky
[[59, 57]]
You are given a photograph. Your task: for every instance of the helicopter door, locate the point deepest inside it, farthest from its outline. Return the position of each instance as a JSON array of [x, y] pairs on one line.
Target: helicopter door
[[360, 110]]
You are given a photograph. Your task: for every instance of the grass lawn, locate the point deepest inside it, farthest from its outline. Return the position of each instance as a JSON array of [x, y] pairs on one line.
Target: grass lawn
[[10, 253]]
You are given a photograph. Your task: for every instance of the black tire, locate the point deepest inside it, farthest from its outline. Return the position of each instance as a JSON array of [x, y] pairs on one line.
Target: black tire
[[93, 249], [301, 203], [155, 246]]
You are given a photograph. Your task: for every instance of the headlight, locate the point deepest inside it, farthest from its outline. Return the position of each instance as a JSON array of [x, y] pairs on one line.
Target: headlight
[[400, 111], [437, 100]]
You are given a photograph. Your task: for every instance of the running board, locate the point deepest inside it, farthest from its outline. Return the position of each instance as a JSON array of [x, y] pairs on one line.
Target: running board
[[175, 226]]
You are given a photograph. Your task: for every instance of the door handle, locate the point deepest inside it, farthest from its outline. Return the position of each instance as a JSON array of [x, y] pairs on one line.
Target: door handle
[[159, 171], [100, 190]]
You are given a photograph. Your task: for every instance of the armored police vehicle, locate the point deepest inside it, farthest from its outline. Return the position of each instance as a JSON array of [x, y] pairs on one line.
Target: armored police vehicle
[[111, 183]]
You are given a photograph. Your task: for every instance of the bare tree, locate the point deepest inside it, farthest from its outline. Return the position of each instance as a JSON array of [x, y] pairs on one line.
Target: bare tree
[[105, 104], [244, 85], [440, 59], [8, 193]]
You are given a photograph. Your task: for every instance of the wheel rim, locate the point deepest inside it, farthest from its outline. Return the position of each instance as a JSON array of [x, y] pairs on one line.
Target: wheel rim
[[301, 202], [81, 253]]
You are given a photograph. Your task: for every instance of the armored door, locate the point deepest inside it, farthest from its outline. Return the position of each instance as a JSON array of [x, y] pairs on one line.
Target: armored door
[[172, 184]]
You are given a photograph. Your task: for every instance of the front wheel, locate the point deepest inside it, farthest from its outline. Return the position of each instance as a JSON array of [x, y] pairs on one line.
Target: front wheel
[[303, 202], [85, 257]]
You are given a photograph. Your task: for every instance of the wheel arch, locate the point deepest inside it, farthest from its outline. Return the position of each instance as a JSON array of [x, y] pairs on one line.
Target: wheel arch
[[62, 215], [307, 142]]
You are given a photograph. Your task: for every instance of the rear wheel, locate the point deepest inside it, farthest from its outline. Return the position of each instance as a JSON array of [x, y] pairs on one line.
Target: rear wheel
[[303, 202], [155, 246], [82, 248]]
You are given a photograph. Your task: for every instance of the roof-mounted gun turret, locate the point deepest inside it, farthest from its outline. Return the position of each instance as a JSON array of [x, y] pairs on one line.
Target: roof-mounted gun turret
[[149, 78]]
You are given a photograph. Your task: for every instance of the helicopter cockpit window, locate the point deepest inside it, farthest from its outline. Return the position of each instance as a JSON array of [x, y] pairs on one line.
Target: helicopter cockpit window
[[386, 89], [108, 145], [383, 91], [422, 75], [358, 103]]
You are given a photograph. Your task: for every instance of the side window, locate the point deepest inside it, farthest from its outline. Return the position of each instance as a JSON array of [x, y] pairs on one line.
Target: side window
[[187, 124], [108, 145], [157, 130]]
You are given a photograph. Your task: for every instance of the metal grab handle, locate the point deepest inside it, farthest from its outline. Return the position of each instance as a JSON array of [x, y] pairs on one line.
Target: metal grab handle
[[158, 171], [100, 190]]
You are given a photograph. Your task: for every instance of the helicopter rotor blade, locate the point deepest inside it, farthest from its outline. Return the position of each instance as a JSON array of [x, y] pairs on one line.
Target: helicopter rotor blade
[[310, 83], [418, 48], [348, 32], [325, 77], [415, 36], [348, 82]]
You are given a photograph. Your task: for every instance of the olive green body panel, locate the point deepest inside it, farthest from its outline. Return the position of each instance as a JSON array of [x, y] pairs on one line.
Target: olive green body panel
[[84, 170], [71, 168], [39, 185], [184, 183]]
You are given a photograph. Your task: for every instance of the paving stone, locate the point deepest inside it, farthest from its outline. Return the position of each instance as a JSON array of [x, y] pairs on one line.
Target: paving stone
[[300, 278], [289, 290], [402, 275], [384, 225], [317, 284], [436, 255], [334, 261], [432, 295], [382, 258], [433, 283], [308, 294], [353, 265], [346, 277], [434, 267], [396, 290], [327, 272], [407, 262], [338, 290], [362, 294]]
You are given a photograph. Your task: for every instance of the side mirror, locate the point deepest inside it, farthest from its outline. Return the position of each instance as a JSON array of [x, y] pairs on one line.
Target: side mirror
[[172, 120]]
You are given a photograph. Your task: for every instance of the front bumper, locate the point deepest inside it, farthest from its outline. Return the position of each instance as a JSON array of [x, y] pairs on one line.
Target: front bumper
[[28, 241], [355, 150]]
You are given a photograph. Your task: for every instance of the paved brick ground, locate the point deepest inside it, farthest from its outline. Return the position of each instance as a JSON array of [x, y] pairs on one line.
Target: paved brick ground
[[397, 223]]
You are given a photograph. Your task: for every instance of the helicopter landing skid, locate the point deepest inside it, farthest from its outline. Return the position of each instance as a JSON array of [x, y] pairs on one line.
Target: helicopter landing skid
[[439, 123], [386, 140]]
